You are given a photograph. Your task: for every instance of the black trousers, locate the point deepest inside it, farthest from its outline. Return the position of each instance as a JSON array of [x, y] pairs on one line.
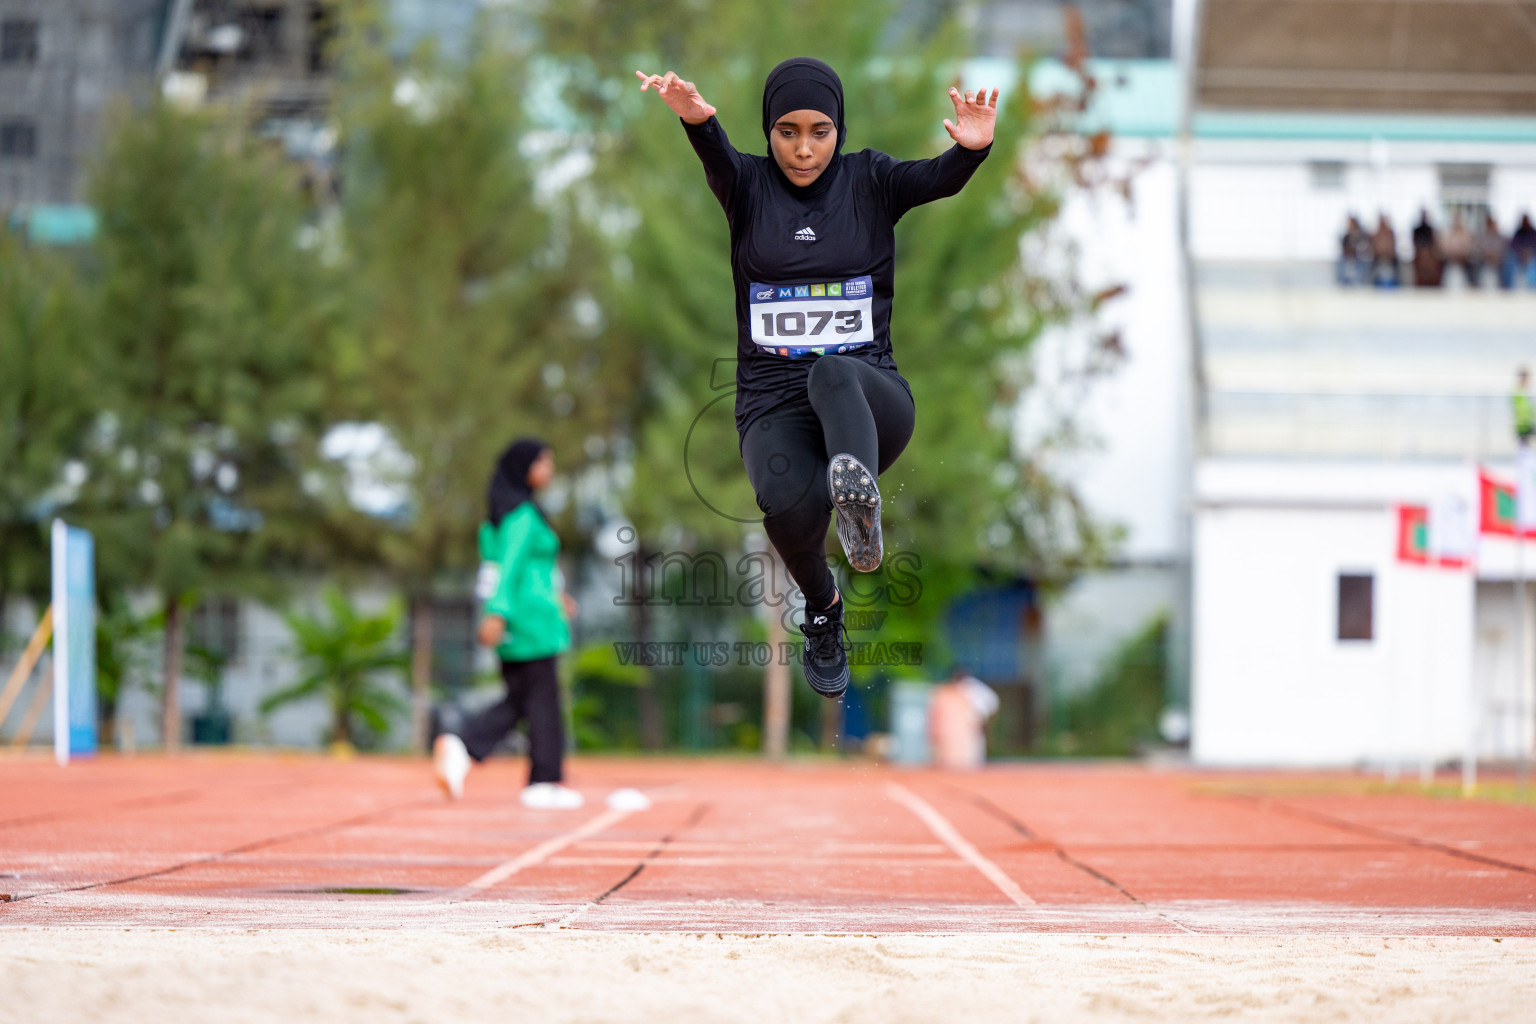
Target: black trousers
[[533, 695], [850, 407]]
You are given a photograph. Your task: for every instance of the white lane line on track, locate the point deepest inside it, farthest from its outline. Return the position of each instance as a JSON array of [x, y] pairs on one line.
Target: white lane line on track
[[950, 836], [537, 855]]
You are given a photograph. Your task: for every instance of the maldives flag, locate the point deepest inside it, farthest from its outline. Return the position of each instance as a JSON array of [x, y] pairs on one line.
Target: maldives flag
[[1413, 534], [1498, 507], [1440, 535]]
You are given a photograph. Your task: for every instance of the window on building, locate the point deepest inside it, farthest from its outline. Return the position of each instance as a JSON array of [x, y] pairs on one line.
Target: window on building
[[453, 642], [1357, 607], [18, 41], [18, 139], [214, 626], [1464, 191], [1327, 175]]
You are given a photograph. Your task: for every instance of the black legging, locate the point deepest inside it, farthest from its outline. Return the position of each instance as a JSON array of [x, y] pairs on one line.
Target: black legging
[[853, 407], [533, 693]]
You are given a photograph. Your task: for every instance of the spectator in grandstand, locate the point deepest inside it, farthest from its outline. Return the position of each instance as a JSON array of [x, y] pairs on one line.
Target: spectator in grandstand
[[1384, 269], [1492, 250], [1427, 262], [1460, 250], [1522, 253], [1354, 253]]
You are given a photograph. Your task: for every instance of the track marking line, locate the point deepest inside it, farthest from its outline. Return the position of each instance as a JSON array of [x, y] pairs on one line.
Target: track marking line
[[949, 836], [1397, 838], [686, 861], [1028, 833], [238, 851], [660, 845], [537, 855]]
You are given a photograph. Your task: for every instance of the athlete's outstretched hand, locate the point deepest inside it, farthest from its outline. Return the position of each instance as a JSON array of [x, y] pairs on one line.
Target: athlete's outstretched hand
[[681, 96], [974, 120]]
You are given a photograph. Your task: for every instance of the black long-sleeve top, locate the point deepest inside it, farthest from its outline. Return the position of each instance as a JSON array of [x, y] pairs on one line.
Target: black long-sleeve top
[[815, 268]]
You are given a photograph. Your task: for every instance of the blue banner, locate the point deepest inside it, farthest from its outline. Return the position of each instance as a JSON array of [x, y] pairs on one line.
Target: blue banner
[[74, 642]]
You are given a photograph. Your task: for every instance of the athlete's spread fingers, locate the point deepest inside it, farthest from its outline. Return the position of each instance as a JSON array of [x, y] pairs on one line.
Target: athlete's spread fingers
[[993, 104]]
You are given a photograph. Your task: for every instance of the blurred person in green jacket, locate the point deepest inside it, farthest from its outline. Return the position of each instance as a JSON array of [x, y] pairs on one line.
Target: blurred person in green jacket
[[527, 615]]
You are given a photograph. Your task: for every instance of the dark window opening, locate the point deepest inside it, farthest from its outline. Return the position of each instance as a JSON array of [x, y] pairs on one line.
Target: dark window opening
[[214, 627], [1357, 615], [1327, 175], [18, 41], [18, 139], [453, 642]]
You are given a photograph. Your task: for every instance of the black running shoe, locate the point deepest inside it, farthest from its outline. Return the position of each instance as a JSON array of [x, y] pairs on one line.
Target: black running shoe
[[826, 651], [856, 497]]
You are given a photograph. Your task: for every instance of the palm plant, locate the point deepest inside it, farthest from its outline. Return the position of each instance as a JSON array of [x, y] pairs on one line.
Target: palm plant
[[342, 657]]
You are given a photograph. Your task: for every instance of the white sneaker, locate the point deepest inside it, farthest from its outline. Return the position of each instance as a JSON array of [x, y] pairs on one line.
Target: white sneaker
[[451, 763], [628, 800], [551, 796]]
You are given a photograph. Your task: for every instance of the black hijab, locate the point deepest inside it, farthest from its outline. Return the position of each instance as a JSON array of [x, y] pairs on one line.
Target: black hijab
[[509, 483], [805, 83]]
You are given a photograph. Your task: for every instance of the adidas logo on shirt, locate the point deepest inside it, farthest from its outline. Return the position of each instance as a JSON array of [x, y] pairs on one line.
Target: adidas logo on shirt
[[805, 235]]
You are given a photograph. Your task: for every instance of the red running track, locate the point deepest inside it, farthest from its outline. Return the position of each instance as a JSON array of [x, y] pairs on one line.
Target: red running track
[[252, 840]]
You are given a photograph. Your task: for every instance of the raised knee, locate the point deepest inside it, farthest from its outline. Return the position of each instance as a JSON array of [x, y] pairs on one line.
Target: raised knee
[[831, 372]]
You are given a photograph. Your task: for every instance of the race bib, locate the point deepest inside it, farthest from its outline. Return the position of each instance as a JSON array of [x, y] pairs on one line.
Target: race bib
[[812, 319]]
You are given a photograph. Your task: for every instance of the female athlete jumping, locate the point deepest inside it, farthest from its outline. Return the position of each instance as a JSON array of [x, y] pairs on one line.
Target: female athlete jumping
[[820, 408]]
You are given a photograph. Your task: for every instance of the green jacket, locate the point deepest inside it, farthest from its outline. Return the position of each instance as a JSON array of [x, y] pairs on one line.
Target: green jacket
[[1525, 418], [520, 582]]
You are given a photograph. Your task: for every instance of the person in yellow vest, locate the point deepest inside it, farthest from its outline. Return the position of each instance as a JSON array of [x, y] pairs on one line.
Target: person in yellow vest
[[527, 620], [1520, 403]]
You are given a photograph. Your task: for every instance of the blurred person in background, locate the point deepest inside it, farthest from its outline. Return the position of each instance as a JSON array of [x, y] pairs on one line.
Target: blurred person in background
[[1354, 253], [1522, 253], [1460, 250], [1522, 408], [957, 720], [1427, 261], [1493, 251], [1384, 269], [821, 409], [527, 620]]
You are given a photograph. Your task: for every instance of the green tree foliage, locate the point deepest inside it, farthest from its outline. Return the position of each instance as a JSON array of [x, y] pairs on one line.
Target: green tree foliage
[[213, 336], [471, 325], [46, 401], [344, 656], [1118, 715]]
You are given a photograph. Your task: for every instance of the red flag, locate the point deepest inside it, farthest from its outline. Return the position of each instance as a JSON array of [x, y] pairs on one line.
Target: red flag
[[1496, 502], [1413, 534]]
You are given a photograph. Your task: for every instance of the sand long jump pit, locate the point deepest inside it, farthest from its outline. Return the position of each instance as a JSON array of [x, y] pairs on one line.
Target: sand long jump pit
[[262, 888]]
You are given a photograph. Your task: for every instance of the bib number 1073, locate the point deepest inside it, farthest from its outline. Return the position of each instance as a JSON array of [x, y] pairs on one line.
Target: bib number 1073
[[811, 322]]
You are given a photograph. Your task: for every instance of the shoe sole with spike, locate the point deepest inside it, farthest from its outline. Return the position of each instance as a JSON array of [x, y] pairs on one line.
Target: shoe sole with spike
[[856, 497]]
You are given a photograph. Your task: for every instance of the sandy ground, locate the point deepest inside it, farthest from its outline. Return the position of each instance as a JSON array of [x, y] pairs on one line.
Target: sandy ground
[[501, 976]]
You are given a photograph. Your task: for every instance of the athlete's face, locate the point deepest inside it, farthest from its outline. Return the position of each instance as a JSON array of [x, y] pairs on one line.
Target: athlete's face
[[542, 471], [803, 142]]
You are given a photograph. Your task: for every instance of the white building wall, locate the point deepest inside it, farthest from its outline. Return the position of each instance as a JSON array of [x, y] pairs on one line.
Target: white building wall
[[1255, 200], [1138, 417], [1505, 699], [1272, 683], [1140, 413]]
